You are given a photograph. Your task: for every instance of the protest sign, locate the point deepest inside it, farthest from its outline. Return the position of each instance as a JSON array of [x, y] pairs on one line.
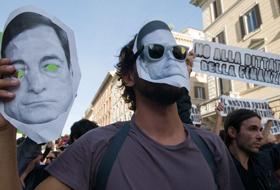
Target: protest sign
[[259, 106], [195, 115], [275, 129], [252, 66]]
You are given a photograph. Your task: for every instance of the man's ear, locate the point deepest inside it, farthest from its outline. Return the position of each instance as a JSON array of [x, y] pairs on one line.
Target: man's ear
[[129, 79], [232, 132]]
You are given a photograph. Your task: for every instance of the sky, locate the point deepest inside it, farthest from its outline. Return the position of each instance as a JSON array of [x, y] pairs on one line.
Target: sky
[[101, 28]]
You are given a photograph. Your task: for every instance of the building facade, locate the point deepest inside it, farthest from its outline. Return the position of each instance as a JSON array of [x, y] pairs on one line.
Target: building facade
[[107, 105], [249, 24]]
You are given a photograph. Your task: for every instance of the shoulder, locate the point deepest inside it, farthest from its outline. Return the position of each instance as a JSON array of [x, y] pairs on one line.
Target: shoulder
[[269, 152], [206, 135], [100, 134], [213, 141]]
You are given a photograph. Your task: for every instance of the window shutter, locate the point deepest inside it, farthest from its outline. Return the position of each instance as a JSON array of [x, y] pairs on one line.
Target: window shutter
[[221, 86], [242, 28], [259, 19], [195, 92], [219, 7], [221, 38], [203, 93]]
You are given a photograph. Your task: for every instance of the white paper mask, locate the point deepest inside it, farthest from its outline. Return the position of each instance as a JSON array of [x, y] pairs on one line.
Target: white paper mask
[[167, 69], [42, 49]]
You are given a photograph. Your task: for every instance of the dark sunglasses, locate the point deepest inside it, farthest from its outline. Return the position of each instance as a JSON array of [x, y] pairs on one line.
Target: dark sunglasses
[[155, 52]]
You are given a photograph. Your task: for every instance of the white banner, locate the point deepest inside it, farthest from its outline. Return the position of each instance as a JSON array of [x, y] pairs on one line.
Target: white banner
[[195, 115], [252, 66], [259, 106], [275, 129]]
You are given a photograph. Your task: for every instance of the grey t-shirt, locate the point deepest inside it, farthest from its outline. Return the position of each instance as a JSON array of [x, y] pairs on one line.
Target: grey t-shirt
[[143, 164]]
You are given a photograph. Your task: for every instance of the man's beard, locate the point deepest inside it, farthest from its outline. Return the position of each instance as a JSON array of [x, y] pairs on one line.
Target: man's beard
[[163, 94]]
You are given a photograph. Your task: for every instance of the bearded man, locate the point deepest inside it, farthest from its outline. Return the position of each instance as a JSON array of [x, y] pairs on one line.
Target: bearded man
[[158, 151]]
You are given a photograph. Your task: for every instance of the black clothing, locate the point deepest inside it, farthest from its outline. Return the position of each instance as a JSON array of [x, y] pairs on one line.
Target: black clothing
[[35, 177], [26, 152], [184, 106], [247, 176], [261, 169]]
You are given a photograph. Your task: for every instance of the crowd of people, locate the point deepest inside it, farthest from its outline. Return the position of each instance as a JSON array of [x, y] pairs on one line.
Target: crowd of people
[[33, 158], [158, 148]]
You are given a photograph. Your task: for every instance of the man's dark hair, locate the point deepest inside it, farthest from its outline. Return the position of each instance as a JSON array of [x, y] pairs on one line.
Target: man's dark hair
[[30, 20], [79, 128], [20, 140], [184, 106], [125, 66], [234, 119]]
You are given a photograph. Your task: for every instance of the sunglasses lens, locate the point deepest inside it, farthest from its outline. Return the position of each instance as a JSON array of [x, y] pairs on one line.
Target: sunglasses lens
[[155, 51], [180, 52]]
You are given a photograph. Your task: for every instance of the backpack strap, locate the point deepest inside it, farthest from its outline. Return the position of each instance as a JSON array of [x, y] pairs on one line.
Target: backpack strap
[[110, 156], [204, 149]]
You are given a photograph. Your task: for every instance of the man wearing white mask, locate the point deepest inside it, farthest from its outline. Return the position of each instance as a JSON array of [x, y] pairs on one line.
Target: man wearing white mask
[[157, 151]]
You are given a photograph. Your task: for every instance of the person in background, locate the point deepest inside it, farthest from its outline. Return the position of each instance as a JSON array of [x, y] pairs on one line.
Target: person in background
[[219, 129], [33, 173], [244, 139], [79, 128], [52, 156], [268, 138]]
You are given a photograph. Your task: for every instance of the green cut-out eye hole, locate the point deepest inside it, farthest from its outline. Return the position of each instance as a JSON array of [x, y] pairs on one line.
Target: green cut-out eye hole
[[51, 67], [20, 74]]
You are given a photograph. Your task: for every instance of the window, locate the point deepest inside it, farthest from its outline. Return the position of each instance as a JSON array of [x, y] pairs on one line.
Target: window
[[257, 44], [275, 7], [224, 86], [199, 92], [250, 21], [217, 8], [220, 38]]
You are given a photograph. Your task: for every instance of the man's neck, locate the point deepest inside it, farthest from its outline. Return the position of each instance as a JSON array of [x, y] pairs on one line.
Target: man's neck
[[161, 123], [240, 155]]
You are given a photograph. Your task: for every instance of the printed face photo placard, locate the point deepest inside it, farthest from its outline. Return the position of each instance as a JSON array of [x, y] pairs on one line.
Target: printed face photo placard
[[42, 50], [195, 115]]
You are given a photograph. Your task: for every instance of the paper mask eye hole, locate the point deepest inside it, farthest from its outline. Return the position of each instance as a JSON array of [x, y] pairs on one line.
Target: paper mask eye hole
[[51, 67], [20, 73]]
